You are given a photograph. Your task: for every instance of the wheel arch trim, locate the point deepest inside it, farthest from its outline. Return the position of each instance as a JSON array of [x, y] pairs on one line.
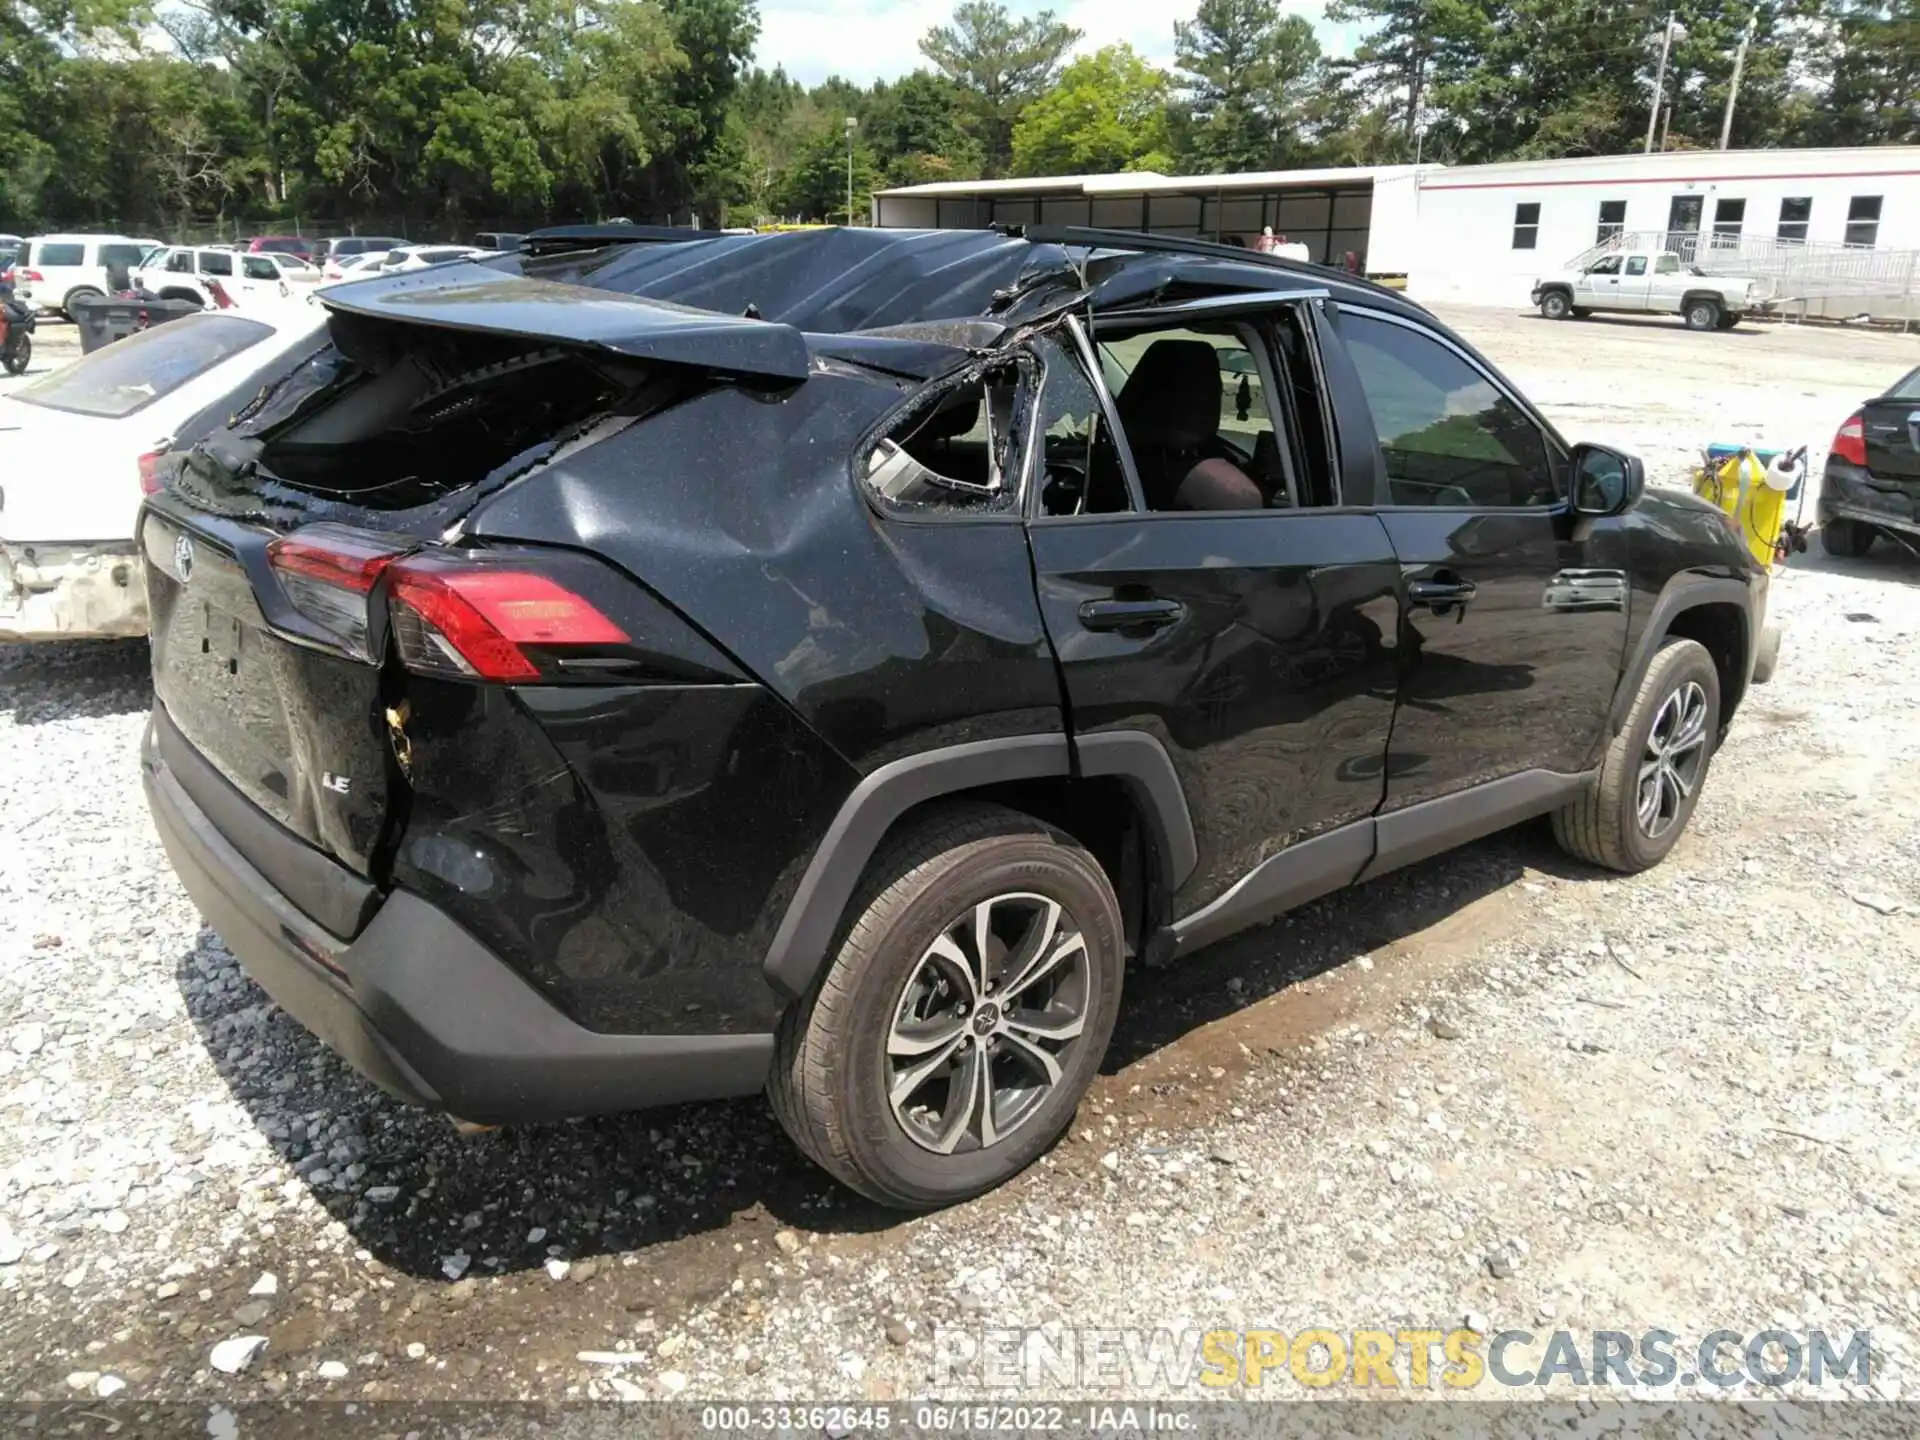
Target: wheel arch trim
[[1686, 591], [800, 946], [1140, 761]]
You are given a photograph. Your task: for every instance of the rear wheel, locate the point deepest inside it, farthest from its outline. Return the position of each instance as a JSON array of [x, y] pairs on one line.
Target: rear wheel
[[1847, 539], [1556, 305], [1650, 780], [19, 355], [951, 1038], [79, 292], [1702, 315]]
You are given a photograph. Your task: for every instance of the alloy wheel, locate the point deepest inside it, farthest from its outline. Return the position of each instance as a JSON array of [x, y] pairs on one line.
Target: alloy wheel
[[985, 1022], [1676, 753]]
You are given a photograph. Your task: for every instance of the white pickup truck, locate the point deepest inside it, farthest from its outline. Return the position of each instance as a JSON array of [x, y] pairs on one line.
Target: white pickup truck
[[1653, 282]]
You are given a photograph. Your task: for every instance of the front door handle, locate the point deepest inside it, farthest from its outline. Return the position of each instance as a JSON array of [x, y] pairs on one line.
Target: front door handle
[[1146, 614], [1440, 596]]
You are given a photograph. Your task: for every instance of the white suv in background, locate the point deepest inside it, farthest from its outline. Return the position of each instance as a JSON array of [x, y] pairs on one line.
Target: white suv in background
[[53, 270], [182, 272]]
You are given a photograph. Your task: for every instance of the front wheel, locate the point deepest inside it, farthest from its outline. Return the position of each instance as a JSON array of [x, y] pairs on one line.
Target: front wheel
[[19, 355], [1702, 315], [1649, 783], [1555, 305], [953, 1034]]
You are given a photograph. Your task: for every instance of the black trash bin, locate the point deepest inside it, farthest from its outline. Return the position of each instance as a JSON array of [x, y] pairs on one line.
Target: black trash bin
[[103, 319]]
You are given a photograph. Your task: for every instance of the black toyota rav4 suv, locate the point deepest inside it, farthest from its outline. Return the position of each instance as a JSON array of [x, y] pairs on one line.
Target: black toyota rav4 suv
[[624, 673]]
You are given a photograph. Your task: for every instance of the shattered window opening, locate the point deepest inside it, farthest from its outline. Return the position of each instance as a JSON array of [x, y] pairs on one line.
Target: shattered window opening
[[956, 449]]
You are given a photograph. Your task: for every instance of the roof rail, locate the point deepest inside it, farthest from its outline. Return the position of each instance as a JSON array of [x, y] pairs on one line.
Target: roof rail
[[1180, 245], [586, 237]]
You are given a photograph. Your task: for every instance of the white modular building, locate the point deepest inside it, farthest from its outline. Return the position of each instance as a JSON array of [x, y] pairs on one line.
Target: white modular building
[[1834, 231]]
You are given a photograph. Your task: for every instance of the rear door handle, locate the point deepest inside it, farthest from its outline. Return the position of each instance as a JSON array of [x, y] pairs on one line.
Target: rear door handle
[[1148, 614]]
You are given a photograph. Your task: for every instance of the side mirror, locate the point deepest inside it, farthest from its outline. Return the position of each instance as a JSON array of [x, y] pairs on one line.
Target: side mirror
[[1605, 482]]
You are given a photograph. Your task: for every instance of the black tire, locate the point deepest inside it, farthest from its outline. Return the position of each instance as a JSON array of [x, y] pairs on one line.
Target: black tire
[[1729, 322], [79, 292], [1846, 539], [178, 294], [832, 1070], [20, 356], [1556, 305], [1702, 315], [1604, 826]]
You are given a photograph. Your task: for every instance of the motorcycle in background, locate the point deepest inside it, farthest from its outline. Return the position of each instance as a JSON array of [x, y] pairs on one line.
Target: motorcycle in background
[[16, 333]]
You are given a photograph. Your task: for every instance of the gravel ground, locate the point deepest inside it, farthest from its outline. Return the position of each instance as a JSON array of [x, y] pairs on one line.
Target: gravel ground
[[1496, 1086]]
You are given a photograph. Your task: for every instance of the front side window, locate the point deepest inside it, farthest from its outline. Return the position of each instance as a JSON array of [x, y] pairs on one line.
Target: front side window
[[123, 254], [1448, 434], [954, 450], [257, 267], [1863, 220], [1794, 215], [1526, 225], [180, 262], [131, 374], [1609, 266]]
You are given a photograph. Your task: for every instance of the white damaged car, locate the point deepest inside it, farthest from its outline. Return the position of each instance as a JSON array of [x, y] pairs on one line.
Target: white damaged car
[[77, 448]]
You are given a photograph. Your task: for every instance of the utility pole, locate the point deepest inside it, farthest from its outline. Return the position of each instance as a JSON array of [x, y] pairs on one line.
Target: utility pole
[[852, 125], [1672, 30], [1733, 88]]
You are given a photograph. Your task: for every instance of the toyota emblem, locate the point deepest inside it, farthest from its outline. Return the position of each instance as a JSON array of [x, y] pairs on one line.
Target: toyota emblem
[[183, 558]]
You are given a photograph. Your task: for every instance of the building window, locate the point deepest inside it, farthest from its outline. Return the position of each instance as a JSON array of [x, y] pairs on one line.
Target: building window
[[1526, 225], [1863, 220], [1613, 220], [1794, 215], [1728, 217]]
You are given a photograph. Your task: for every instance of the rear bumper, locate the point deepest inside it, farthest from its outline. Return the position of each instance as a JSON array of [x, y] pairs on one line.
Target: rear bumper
[[71, 592], [1848, 493], [421, 1008]]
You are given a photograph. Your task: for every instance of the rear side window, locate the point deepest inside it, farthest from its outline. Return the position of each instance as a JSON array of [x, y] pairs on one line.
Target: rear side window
[[954, 450], [216, 262], [1448, 435], [1908, 388], [131, 374], [45, 254]]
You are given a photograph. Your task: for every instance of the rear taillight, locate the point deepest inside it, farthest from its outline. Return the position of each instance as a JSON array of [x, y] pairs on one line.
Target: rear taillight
[[1850, 441], [482, 621], [465, 614], [328, 572], [33, 277], [149, 463]]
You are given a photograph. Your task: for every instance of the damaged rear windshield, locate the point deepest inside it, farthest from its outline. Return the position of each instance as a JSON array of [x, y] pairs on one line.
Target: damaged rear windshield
[[131, 374]]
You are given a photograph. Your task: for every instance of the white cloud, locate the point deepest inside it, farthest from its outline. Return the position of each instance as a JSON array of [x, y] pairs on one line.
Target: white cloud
[[866, 40]]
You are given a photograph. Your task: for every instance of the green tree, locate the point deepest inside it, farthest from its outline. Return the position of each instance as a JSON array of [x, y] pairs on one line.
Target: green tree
[[1108, 112], [915, 129], [1870, 64], [1001, 64], [815, 184], [1250, 70]]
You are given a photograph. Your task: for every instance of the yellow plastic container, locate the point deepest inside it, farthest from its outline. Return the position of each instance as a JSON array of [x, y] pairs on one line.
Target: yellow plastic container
[[1737, 481]]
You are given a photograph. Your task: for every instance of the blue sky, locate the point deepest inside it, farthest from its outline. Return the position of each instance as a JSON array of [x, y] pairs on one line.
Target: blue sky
[[866, 40]]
